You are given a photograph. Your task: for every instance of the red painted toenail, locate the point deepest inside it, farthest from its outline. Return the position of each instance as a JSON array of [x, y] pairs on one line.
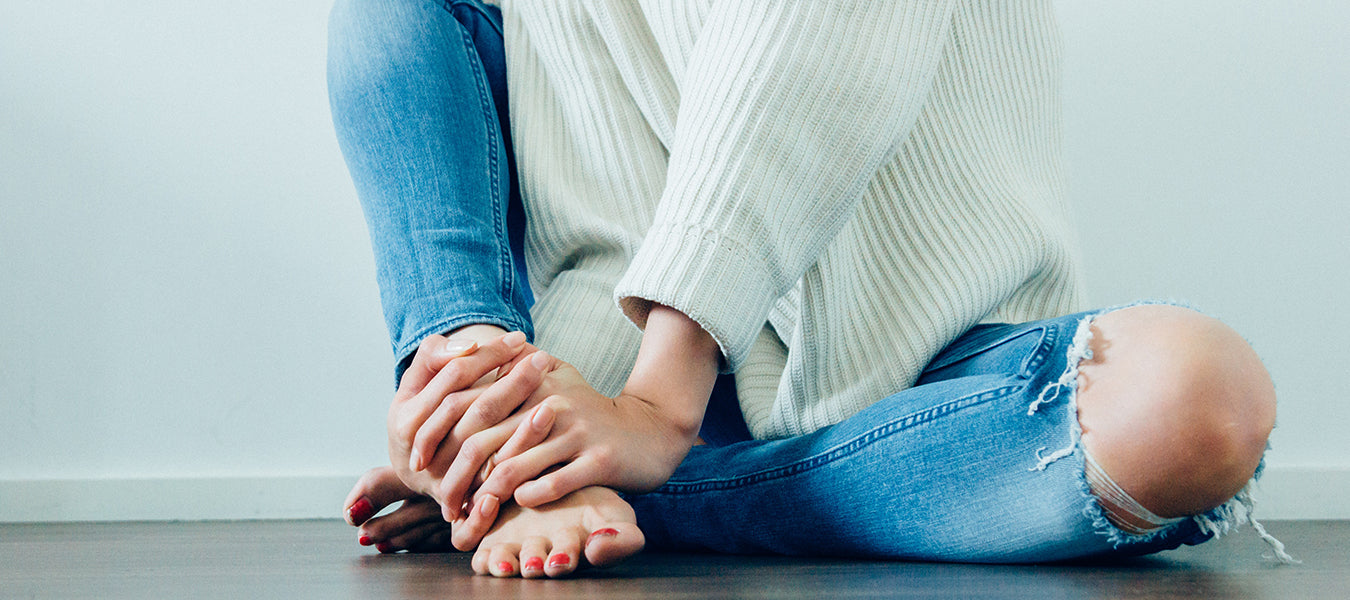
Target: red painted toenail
[[505, 567], [384, 547], [534, 564], [365, 540], [559, 560], [360, 511], [606, 532]]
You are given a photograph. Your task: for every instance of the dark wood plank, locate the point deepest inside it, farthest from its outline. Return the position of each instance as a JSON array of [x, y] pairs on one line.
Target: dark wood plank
[[320, 559]]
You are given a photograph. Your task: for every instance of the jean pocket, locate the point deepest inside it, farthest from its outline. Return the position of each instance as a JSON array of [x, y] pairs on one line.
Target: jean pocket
[[992, 348]]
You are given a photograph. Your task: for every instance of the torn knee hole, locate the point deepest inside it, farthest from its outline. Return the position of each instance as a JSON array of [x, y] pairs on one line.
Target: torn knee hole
[[1119, 507]]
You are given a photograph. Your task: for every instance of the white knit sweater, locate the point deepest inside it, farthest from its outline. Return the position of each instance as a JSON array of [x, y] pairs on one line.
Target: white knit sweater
[[834, 190]]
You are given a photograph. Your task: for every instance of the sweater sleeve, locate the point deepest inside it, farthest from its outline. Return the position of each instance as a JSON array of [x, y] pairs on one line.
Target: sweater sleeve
[[787, 110]]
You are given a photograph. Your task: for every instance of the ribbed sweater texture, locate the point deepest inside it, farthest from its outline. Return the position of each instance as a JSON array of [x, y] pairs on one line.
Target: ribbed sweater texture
[[835, 190]]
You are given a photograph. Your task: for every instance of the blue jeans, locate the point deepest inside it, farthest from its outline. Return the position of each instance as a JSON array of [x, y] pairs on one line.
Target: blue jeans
[[418, 94], [950, 469]]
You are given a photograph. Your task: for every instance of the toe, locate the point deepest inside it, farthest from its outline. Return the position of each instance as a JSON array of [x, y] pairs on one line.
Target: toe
[[378, 488], [479, 563], [565, 555], [533, 553], [612, 543], [412, 515], [416, 536], [434, 543], [502, 561]]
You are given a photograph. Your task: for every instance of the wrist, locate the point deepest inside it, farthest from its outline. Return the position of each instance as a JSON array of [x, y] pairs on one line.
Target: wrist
[[675, 369]]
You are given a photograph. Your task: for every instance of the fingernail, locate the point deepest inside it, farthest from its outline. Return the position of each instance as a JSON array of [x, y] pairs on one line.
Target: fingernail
[[359, 512], [514, 340], [488, 506], [534, 564], [543, 416], [559, 560], [365, 540], [540, 360], [415, 460], [606, 532], [505, 567], [460, 347]]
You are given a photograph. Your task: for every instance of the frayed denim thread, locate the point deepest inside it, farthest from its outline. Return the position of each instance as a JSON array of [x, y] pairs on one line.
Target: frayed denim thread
[[1216, 522]]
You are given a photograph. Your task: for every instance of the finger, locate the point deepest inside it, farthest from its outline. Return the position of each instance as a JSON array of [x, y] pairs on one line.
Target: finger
[[505, 396], [448, 450], [444, 351], [416, 376], [413, 514], [571, 477], [525, 353], [530, 433], [473, 454], [376, 489], [433, 431], [509, 475], [456, 375], [430, 357], [487, 409], [466, 534]]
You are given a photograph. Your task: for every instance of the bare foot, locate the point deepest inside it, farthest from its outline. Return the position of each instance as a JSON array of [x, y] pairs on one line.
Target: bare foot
[[415, 526], [592, 524]]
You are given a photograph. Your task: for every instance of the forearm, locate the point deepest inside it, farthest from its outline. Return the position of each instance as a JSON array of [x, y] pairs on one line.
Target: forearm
[[788, 111], [675, 369]]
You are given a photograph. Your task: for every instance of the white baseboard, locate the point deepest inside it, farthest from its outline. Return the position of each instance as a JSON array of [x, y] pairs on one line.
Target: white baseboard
[[1313, 493], [173, 499], [1283, 493]]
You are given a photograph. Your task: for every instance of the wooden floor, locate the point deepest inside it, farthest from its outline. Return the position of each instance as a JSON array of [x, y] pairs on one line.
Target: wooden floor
[[320, 559]]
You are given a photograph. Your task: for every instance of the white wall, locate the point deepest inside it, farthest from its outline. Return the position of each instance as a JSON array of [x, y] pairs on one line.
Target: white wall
[[189, 326], [186, 283], [1209, 151]]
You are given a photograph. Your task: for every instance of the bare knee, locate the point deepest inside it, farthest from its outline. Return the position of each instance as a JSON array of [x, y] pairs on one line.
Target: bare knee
[[1175, 407]]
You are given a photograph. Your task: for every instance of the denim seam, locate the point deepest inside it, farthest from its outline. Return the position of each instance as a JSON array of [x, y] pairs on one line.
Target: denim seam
[[1049, 337], [505, 268], [848, 448]]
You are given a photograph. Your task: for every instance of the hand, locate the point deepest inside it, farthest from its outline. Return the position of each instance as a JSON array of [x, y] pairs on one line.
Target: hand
[[447, 381], [624, 443]]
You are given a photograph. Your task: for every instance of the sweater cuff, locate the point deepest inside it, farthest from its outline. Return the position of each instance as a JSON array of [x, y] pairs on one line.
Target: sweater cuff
[[714, 279]]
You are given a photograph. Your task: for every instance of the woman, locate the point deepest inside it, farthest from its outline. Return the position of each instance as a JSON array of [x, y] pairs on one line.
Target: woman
[[855, 208]]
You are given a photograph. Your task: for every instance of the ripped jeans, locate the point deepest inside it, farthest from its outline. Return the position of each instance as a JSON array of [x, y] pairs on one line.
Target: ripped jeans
[[979, 461]]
